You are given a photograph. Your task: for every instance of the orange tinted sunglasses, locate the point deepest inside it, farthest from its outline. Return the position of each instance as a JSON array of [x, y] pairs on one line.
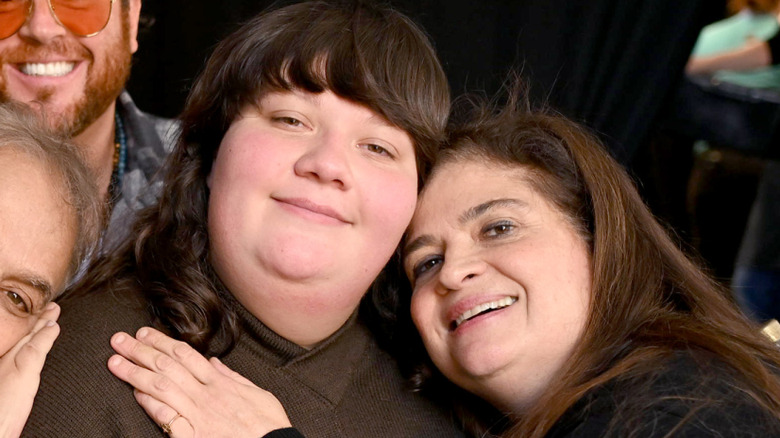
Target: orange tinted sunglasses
[[84, 18]]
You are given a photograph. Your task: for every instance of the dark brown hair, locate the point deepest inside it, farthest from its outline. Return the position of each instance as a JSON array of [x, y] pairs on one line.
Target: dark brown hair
[[368, 54], [648, 299], [23, 130]]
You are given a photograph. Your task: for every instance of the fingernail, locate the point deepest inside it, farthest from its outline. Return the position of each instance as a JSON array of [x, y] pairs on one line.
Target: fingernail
[[142, 332], [119, 338], [114, 361], [50, 305], [50, 323]]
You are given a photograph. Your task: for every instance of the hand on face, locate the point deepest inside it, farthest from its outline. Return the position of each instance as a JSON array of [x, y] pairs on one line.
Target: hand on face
[[171, 379], [20, 372]]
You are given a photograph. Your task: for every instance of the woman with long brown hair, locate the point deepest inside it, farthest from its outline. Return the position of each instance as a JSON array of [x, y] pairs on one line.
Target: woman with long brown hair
[[543, 285]]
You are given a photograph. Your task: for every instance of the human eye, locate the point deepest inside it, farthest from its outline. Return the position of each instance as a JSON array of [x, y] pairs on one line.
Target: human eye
[[18, 301], [498, 229], [288, 121], [426, 266], [377, 149]]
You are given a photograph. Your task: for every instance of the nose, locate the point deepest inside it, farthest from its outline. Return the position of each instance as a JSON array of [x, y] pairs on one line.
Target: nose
[[459, 270], [326, 161], [41, 26]]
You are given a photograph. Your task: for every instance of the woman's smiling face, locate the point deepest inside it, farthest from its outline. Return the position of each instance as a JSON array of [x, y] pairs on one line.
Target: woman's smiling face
[[309, 196], [483, 238]]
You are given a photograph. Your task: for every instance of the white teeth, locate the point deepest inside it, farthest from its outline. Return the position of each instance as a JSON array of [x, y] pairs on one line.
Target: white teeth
[[47, 69], [476, 310]]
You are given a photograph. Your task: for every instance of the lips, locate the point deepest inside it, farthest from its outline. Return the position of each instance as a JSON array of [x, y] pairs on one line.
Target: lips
[[468, 309], [312, 207]]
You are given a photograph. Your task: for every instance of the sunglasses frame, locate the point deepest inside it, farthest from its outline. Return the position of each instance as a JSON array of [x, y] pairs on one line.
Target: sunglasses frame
[[57, 19]]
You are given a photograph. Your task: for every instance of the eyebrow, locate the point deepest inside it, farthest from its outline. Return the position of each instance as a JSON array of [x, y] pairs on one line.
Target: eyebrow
[[468, 216], [478, 210], [414, 245], [36, 282]]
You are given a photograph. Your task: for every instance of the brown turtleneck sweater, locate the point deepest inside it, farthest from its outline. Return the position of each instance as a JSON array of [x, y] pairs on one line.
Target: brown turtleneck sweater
[[345, 387]]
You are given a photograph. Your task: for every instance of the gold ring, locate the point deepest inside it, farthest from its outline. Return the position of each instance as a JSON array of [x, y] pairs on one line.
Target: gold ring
[[167, 426]]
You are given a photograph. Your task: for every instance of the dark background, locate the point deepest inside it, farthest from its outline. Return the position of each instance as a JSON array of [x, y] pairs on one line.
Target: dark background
[[608, 63], [614, 65]]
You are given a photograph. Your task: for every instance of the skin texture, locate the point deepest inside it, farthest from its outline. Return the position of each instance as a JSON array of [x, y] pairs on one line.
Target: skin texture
[[482, 234], [20, 372], [309, 196], [37, 234], [81, 103]]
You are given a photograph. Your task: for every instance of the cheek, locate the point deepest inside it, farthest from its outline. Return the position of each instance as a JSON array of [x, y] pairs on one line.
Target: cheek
[[389, 202], [422, 311]]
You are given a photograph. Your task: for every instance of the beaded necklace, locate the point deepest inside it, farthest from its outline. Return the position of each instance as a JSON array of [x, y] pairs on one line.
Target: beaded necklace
[[119, 161]]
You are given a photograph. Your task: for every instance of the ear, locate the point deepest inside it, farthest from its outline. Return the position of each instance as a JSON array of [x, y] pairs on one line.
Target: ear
[[133, 16]]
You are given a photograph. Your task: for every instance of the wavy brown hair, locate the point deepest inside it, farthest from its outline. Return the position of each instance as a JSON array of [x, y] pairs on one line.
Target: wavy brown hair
[[367, 54], [649, 300]]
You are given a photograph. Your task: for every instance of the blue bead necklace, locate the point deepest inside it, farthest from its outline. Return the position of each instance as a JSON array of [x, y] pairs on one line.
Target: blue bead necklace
[[120, 159]]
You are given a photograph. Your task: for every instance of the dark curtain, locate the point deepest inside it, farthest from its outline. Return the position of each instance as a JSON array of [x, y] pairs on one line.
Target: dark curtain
[[608, 63]]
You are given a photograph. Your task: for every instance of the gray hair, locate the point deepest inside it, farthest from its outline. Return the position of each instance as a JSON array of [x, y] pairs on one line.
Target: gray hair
[[24, 130]]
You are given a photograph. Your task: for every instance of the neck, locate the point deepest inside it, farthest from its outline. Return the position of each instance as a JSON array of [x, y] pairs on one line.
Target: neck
[[97, 143]]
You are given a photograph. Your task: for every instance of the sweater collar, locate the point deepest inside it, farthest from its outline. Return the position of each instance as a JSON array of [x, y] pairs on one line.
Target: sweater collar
[[327, 368]]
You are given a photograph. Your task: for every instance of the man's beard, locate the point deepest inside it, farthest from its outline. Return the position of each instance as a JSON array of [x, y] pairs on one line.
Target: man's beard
[[100, 90]]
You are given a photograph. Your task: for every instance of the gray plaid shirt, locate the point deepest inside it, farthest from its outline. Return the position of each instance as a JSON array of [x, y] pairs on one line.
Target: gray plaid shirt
[[149, 140]]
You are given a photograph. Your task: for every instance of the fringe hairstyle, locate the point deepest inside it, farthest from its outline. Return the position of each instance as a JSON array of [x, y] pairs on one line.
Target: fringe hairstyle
[[370, 55]]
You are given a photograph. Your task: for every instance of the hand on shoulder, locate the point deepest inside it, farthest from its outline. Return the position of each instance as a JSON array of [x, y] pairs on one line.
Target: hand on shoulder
[[189, 395]]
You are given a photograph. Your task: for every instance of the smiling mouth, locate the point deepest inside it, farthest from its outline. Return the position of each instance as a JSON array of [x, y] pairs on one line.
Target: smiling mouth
[[482, 309], [51, 69], [312, 208]]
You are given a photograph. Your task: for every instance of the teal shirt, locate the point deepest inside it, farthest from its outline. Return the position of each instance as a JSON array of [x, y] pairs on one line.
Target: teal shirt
[[732, 33]]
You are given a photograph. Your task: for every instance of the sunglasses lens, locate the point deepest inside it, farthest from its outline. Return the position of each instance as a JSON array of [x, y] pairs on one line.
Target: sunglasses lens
[[82, 17], [13, 13]]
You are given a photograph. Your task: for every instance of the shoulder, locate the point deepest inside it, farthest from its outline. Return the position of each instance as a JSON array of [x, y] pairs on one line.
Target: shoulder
[[401, 409], [78, 396], [690, 395]]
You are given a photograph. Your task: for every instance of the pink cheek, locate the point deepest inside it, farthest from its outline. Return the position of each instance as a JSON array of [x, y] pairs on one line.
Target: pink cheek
[[421, 311]]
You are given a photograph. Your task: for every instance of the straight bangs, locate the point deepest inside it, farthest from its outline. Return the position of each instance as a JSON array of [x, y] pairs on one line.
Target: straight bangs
[[373, 56]]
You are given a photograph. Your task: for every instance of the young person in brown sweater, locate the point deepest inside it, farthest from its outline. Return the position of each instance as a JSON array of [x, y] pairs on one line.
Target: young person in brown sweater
[[293, 180], [49, 221]]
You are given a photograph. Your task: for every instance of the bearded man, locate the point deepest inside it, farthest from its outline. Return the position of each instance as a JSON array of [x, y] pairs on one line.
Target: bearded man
[[70, 60]]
